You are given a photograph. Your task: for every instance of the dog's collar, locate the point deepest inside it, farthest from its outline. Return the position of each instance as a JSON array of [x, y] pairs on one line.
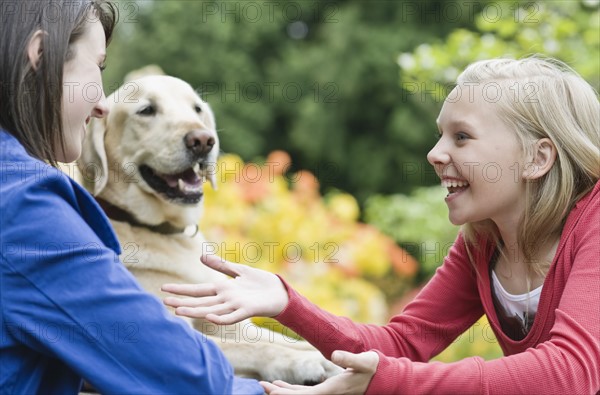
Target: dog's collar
[[166, 228]]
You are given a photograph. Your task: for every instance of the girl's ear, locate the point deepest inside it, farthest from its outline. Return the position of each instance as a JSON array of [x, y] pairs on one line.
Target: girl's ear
[[34, 49], [543, 156]]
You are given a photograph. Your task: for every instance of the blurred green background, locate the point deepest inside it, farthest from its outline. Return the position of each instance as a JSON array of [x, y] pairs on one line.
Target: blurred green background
[[350, 88]]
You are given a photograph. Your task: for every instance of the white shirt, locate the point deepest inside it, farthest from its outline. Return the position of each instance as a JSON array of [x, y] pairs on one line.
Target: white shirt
[[518, 306]]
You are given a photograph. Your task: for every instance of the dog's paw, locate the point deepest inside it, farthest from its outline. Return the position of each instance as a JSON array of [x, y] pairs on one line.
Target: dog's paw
[[301, 367]]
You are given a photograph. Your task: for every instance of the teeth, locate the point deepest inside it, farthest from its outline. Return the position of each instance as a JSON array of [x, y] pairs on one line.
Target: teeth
[[454, 183], [187, 188], [201, 171]]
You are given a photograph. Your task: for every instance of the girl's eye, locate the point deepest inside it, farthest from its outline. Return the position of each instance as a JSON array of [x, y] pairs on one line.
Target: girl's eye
[[460, 136]]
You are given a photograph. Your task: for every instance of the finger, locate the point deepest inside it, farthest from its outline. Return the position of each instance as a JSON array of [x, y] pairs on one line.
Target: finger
[[268, 387], [221, 265], [171, 301], [283, 384], [363, 362], [206, 301], [202, 312], [275, 388], [207, 289], [229, 318]]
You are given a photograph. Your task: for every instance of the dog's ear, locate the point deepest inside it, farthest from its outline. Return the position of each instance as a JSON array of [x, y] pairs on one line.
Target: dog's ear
[[93, 163]]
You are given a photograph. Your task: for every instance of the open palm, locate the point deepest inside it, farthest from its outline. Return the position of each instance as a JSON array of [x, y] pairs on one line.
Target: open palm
[[251, 292]]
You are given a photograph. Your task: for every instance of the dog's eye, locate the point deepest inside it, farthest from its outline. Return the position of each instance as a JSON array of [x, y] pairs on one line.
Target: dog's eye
[[197, 108], [148, 110]]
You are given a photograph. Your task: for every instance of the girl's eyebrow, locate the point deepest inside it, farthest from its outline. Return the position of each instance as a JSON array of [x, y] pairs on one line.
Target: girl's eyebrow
[[457, 124]]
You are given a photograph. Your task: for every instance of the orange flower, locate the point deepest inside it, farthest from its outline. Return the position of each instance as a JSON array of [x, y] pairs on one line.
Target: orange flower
[[254, 182], [279, 161], [402, 262], [306, 186]]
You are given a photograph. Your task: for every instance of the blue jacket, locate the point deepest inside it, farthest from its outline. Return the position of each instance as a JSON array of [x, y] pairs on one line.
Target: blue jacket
[[70, 309]]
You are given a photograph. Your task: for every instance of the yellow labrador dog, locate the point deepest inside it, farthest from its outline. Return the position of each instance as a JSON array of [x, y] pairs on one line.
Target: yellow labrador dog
[[145, 164]]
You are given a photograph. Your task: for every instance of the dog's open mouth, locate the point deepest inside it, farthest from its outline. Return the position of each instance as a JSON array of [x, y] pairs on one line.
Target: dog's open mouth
[[184, 187]]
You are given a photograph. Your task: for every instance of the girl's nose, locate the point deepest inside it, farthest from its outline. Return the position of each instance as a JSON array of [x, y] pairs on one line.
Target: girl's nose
[[101, 108], [438, 155]]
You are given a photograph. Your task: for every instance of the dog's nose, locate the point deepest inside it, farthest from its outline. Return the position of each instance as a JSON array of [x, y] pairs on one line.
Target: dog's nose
[[200, 142]]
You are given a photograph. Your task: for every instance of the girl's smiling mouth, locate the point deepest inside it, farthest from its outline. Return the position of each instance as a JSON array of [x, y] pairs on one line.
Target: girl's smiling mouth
[[455, 187]]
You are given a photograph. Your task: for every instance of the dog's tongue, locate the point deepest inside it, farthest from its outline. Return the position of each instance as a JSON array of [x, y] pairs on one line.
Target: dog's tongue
[[190, 177], [171, 180]]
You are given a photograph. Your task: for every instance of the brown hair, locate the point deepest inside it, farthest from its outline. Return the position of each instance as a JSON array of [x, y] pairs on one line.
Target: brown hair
[[31, 98]]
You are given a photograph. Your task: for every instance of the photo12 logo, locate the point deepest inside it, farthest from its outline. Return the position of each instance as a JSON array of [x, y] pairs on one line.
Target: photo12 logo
[[62, 12], [489, 92], [468, 11], [268, 91], [268, 11]]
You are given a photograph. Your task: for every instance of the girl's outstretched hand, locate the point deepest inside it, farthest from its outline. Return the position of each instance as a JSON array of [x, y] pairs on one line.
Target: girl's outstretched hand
[[252, 292], [359, 370]]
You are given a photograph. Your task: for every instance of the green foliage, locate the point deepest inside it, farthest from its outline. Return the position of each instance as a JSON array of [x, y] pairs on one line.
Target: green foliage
[[418, 222], [567, 30]]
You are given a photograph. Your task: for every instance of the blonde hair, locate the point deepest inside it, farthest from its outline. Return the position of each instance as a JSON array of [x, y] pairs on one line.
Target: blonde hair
[[543, 98]]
